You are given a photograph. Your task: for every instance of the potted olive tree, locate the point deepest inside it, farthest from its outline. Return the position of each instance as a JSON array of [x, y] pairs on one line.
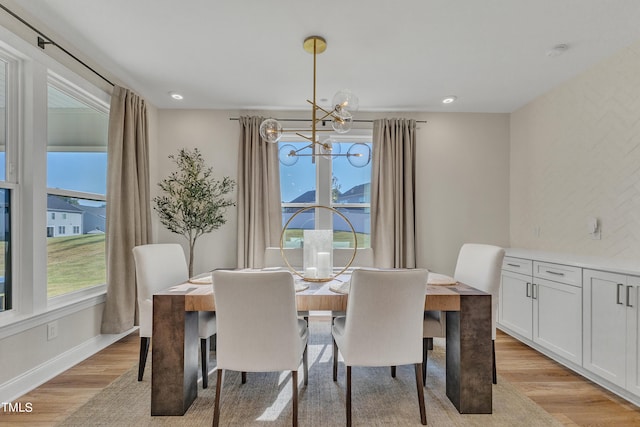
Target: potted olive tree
[[192, 202]]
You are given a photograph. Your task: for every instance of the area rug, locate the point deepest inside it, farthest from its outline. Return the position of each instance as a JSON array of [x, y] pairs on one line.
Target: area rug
[[265, 400]]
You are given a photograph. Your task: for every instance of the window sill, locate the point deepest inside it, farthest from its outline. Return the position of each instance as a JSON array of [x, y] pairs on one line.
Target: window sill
[[14, 323]]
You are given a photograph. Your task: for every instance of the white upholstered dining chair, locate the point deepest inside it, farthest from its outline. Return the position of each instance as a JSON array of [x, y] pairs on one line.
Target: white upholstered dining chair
[[389, 306], [258, 328], [479, 266], [159, 266]]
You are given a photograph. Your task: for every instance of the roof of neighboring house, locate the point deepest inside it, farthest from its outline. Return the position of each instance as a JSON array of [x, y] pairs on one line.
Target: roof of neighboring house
[[357, 189], [307, 197], [59, 204], [100, 211]]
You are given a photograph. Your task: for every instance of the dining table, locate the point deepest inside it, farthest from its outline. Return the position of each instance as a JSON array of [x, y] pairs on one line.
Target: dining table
[[469, 363]]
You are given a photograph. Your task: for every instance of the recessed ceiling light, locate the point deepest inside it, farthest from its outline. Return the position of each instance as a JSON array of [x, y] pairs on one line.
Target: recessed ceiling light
[[176, 96], [449, 99], [557, 50]]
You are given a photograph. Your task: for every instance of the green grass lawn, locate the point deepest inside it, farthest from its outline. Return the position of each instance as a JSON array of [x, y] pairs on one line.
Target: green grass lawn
[[74, 263], [364, 240]]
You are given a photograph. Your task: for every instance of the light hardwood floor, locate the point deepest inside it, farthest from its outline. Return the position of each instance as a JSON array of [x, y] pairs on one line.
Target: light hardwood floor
[[573, 400]]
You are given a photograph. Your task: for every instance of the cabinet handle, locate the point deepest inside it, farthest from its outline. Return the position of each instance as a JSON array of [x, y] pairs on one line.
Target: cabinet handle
[[555, 273], [528, 291], [618, 293], [534, 295], [628, 288], [513, 265]]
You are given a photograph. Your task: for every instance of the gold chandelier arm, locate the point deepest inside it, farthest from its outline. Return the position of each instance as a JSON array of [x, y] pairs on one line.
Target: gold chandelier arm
[[327, 113], [308, 138]]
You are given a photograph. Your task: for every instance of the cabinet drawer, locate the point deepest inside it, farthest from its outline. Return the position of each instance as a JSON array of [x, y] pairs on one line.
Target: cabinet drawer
[[517, 265], [558, 273]]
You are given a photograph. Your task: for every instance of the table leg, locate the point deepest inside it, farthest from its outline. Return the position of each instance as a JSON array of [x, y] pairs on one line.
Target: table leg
[[174, 373], [468, 354]]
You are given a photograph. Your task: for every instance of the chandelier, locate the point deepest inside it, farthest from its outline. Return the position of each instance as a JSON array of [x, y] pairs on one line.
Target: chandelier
[[344, 104]]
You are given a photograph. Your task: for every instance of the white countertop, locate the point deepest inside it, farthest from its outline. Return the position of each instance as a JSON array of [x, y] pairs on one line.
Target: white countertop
[[583, 261]]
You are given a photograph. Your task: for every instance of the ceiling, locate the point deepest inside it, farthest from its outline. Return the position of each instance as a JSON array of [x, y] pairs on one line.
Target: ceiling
[[401, 55]]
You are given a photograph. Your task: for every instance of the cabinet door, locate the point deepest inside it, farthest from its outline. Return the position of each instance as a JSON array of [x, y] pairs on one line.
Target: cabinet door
[[604, 325], [557, 318], [515, 305], [633, 334]]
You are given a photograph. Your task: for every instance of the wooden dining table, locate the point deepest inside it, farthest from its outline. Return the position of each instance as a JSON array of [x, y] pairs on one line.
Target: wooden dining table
[[174, 381]]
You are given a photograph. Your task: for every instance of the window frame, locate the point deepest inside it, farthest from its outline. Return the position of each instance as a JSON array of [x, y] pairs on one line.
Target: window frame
[[65, 86], [324, 174]]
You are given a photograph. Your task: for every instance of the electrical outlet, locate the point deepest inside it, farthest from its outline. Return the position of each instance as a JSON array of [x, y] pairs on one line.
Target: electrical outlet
[[52, 330], [536, 231]]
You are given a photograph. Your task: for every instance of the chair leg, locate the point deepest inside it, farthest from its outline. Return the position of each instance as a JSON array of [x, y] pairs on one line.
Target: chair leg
[[244, 377], [335, 361], [294, 382], [144, 349], [216, 405], [425, 357], [495, 374], [393, 371], [348, 396], [305, 365], [430, 343], [204, 361], [420, 385]]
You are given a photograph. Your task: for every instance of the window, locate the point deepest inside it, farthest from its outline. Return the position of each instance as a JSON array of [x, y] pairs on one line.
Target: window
[[343, 182], [76, 187], [49, 119], [5, 250], [8, 111]]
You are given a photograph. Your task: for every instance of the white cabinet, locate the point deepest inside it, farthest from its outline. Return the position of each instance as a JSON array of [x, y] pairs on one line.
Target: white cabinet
[[542, 302], [557, 318], [515, 306], [612, 328]]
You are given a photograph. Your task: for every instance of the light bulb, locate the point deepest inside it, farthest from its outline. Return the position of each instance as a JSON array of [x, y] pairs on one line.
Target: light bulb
[[287, 155], [342, 121], [271, 130], [359, 155], [345, 100]]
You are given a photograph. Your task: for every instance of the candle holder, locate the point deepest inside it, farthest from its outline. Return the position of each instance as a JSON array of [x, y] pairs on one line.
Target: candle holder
[[318, 249], [317, 252]]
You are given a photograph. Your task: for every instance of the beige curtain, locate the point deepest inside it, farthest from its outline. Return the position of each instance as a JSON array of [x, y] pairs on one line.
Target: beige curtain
[[392, 193], [259, 212], [128, 205]]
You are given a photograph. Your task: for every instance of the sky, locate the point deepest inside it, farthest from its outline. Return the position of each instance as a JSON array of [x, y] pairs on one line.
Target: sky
[[86, 172]]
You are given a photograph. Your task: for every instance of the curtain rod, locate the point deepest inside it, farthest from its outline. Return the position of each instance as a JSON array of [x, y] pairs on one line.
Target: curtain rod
[[44, 40], [308, 120]]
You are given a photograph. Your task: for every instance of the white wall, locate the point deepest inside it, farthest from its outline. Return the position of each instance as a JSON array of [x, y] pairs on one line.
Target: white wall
[[575, 153], [461, 191]]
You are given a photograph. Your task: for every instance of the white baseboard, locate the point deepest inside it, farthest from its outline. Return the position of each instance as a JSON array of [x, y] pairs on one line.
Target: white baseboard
[[22, 384]]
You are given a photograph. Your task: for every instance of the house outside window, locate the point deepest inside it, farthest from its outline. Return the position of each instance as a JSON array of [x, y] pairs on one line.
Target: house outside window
[[335, 182]]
